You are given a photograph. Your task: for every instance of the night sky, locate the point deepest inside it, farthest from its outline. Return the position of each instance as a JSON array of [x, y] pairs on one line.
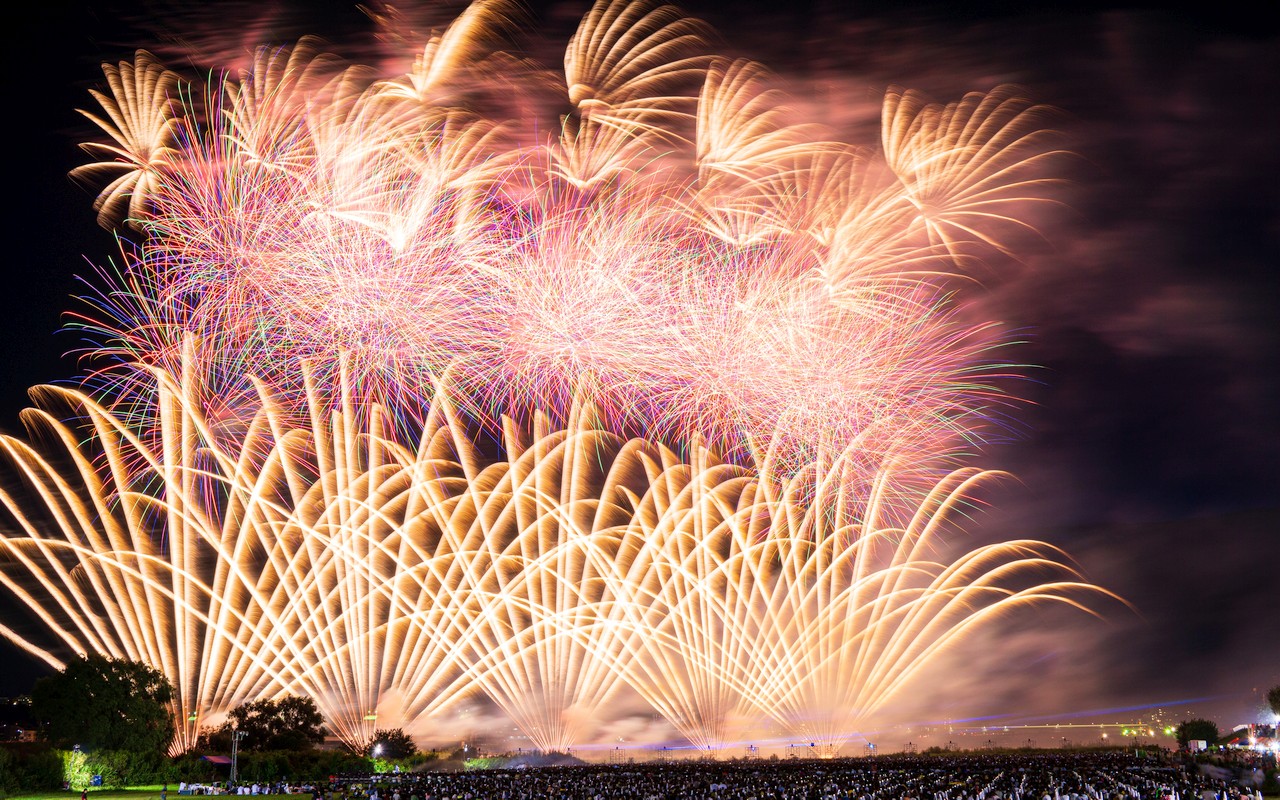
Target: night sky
[[1148, 445]]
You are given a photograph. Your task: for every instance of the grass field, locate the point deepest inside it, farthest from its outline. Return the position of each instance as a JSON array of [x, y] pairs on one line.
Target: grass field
[[137, 792]]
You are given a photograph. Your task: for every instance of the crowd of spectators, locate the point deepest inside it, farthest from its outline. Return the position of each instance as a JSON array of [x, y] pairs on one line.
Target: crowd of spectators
[[1050, 776]]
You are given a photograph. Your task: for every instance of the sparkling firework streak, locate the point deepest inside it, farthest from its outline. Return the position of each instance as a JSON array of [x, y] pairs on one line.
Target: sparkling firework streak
[[433, 405], [333, 559]]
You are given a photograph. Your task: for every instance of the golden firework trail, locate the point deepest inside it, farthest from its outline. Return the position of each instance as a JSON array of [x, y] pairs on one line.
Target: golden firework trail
[[329, 557]]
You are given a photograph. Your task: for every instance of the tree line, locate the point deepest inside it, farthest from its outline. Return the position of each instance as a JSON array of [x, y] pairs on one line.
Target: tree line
[[112, 718]]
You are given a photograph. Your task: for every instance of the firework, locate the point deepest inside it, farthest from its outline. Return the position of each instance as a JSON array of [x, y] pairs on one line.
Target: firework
[[711, 266], [336, 560], [398, 395]]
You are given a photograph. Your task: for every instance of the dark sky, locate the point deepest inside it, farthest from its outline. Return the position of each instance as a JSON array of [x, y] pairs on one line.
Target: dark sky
[[1148, 447]]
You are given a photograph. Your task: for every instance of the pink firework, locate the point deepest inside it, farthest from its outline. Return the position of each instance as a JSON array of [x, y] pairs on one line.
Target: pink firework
[[703, 264]]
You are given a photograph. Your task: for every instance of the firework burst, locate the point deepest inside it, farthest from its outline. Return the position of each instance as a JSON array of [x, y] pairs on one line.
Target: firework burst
[[654, 394], [333, 558], [716, 268]]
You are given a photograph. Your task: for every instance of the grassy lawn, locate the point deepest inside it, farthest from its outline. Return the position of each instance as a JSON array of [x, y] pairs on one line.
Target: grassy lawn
[[136, 793]]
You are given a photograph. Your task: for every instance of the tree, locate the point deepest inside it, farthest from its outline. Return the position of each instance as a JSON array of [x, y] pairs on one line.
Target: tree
[[393, 743], [214, 739], [103, 703], [1192, 729], [291, 723], [1273, 700]]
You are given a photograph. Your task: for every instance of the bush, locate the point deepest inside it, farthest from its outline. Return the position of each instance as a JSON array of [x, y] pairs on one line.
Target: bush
[[41, 771], [264, 766], [118, 768], [76, 772], [417, 760], [29, 768], [192, 767], [298, 765], [121, 768], [25, 768], [8, 775]]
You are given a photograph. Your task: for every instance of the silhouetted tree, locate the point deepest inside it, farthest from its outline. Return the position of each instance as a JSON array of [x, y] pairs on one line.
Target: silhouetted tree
[[391, 743], [105, 703], [1273, 700], [214, 739], [291, 723], [1191, 729]]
